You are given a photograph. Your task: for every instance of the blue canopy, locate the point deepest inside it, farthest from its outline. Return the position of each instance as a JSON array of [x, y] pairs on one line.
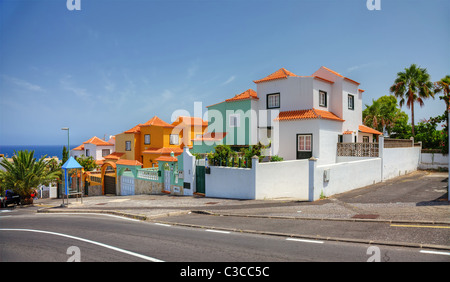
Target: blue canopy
[[71, 163]]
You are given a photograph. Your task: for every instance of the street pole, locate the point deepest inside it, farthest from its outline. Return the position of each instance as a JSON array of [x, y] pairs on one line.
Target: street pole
[[65, 171]]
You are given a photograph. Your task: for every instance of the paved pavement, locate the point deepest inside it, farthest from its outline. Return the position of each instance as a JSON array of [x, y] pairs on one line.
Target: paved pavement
[[417, 198]]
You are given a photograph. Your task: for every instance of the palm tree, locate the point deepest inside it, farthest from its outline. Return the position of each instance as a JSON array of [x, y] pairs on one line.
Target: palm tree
[[443, 86], [412, 85], [24, 173]]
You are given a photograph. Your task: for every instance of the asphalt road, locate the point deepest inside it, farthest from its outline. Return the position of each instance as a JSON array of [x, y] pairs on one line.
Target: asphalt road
[[29, 236]]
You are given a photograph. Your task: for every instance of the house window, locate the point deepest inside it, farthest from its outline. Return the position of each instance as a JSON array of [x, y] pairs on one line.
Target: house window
[[340, 138], [322, 98], [273, 100], [88, 153], [351, 102], [304, 143], [147, 139], [304, 146], [365, 139], [234, 120], [173, 139], [127, 145], [105, 152]]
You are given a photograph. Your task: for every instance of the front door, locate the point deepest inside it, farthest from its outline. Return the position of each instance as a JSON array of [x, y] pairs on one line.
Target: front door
[[304, 146], [167, 180], [110, 184]]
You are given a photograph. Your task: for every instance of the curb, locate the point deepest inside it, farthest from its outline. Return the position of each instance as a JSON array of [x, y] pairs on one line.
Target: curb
[[112, 212], [325, 218], [310, 237]]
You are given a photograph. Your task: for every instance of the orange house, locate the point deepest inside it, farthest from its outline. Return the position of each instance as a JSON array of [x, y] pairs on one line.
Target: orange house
[[148, 141]]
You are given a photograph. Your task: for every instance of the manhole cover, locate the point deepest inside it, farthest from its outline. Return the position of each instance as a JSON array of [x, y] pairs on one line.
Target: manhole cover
[[101, 204], [366, 216], [212, 203]]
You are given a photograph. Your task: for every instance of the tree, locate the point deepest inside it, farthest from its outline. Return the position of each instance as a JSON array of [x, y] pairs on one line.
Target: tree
[[382, 114], [24, 174], [65, 155], [443, 86], [88, 163], [412, 85]]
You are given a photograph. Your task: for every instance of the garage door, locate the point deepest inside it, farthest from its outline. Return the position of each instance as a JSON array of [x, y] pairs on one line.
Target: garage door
[[110, 185]]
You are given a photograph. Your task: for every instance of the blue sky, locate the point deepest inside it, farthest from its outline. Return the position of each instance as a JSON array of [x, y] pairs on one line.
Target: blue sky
[[114, 64]]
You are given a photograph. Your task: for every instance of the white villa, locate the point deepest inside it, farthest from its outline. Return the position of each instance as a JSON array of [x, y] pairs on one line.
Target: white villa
[[95, 147], [313, 113]]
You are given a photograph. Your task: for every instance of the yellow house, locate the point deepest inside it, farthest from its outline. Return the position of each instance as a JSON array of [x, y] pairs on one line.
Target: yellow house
[[148, 141], [189, 128]]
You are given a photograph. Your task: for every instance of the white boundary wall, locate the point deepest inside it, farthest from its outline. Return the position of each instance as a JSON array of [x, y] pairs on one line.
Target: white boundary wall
[[343, 177], [288, 179], [400, 161], [305, 179], [282, 179], [433, 161], [228, 182]]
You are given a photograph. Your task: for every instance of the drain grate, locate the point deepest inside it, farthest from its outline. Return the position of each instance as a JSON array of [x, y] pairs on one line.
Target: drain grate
[[366, 216]]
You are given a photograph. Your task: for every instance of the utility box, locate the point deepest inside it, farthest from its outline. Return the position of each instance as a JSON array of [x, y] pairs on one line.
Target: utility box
[[326, 175]]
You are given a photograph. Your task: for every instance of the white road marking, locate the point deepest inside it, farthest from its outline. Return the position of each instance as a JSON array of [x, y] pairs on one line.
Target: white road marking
[[304, 240], [85, 213], [87, 241], [435, 253], [218, 231], [162, 224]]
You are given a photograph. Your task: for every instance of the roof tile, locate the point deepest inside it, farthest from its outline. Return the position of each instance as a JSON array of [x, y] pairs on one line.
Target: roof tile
[[307, 114]]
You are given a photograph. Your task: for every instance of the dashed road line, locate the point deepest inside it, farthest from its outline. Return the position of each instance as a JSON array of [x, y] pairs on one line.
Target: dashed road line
[[218, 231], [435, 252], [304, 240]]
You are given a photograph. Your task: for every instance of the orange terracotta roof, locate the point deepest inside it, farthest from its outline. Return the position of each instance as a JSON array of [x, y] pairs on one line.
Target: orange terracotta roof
[[114, 156], [340, 75], [367, 129], [307, 114], [211, 136], [99, 162], [361, 90], [79, 148], [333, 72], [136, 129], [129, 162], [164, 150], [281, 73], [351, 80], [166, 159], [323, 79], [156, 121], [190, 121], [247, 94], [347, 132], [97, 141]]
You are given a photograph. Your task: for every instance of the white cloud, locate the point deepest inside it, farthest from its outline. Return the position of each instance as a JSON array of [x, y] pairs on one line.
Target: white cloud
[[229, 80], [67, 84], [23, 84]]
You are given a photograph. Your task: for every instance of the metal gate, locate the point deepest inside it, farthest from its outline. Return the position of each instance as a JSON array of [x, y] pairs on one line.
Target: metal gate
[[127, 186], [200, 179], [167, 174], [110, 184]]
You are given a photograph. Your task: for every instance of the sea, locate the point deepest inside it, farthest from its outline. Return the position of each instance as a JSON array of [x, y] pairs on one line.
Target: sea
[[39, 150]]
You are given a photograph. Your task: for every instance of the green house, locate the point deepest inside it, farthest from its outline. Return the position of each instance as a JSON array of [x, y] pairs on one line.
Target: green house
[[231, 122]]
